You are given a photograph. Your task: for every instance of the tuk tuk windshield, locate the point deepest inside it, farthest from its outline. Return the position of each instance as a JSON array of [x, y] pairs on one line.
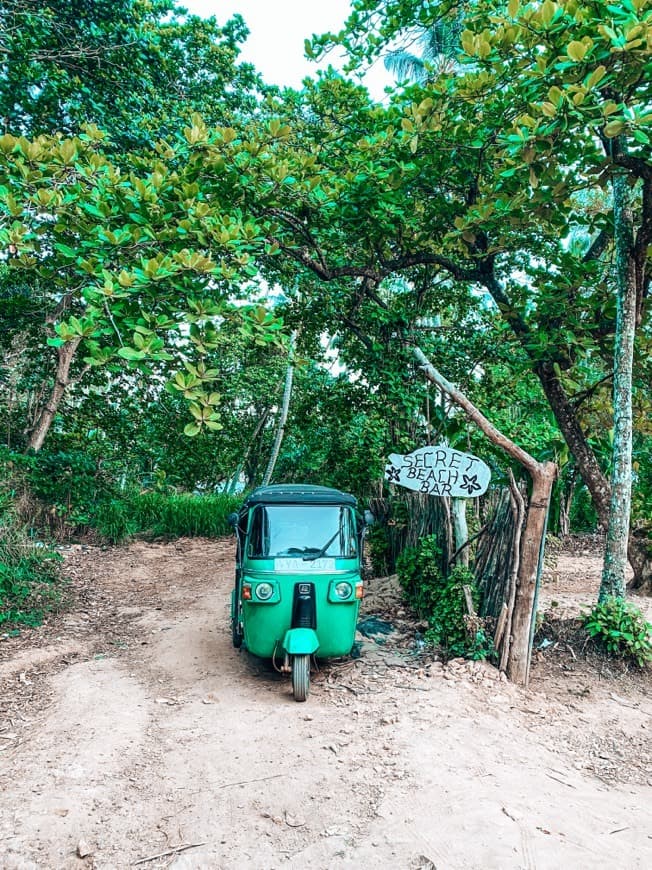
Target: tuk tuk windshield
[[303, 531]]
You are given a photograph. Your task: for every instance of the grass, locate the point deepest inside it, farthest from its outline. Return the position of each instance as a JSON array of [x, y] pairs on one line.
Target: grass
[[163, 515], [29, 572]]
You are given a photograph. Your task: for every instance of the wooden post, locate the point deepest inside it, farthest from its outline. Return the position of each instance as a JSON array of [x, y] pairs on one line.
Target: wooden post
[[543, 475]]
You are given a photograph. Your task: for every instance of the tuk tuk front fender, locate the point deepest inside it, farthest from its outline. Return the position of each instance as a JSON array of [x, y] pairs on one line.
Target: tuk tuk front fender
[[300, 641]]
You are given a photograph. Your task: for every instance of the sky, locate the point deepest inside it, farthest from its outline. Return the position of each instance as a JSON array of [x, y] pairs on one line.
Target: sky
[[278, 29]]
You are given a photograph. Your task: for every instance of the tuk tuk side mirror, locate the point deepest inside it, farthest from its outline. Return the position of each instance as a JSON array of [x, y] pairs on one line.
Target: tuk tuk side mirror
[[232, 520], [369, 518]]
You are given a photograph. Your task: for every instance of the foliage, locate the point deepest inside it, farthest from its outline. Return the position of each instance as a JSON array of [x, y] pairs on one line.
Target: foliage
[[137, 69], [114, 520], [71, 493], [419, 573], [70, 483], [60, 491], [378, 548], [337, 433], [134, 230], [621, 629], [132, 269], [161, 515], [94, 95], [28, 571], [565, 87], [440, 599], [582, 512]]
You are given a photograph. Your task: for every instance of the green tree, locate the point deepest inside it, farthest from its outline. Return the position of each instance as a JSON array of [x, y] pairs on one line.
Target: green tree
[[543, 113], [135, 69], [588, 80], [134, 266]]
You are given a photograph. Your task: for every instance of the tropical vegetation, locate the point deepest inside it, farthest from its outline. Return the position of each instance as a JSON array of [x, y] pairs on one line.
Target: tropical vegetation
[[467, 261]]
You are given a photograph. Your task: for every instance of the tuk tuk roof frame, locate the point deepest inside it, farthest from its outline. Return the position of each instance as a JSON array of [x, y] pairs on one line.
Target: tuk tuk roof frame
[[298, 494]]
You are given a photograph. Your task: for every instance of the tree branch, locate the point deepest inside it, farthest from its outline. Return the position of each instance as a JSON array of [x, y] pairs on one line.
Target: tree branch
[[494, 435], [639, 167]]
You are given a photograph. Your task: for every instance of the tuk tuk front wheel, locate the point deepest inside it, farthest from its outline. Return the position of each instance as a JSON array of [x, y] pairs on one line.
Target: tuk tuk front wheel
[[300, 677]]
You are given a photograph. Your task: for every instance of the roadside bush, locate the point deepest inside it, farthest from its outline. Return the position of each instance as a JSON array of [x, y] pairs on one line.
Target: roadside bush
[[29, 572], [377, 545], [114, 521], [420, 576], [68, 494], [440, 599], [621, 629], [57, 493], [583, 517]]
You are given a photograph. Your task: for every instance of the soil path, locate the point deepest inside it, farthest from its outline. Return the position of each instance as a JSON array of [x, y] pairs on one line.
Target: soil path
[[130, 728]]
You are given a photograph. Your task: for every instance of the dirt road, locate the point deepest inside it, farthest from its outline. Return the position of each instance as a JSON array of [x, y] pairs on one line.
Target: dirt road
[[131, 729]]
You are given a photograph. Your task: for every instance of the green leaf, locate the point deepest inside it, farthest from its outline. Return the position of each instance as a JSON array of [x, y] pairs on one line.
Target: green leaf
[[577, 50], [66, 250], [131, 353], [613, 129]]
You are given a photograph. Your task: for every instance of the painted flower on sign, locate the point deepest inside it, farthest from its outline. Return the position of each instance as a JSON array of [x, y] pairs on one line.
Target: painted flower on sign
[[470, 483]]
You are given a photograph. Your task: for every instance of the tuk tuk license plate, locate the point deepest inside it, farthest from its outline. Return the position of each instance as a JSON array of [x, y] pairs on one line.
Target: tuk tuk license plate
[[299, 566]]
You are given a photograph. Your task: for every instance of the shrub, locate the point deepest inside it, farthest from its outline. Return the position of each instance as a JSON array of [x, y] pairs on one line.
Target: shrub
[[621, 629], [377, 546], [441, 600], [420, 576], [28, 572], [59, 492], [114, 522]]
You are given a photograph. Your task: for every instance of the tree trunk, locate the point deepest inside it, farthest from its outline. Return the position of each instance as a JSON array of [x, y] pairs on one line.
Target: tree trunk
[[595, 480], [532, 542], [639, 546], [587, 464], [532, 539], [565, 504], [615, 558], [640, 557], [461, 530], [285, 407], [65, 355]]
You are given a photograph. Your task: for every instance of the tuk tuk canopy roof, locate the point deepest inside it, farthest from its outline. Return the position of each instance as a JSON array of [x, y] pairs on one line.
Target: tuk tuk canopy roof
[[298, 493]]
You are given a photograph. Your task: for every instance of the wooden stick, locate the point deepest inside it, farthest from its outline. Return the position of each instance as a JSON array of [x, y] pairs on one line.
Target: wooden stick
[[562, 781], [468, 598], [466, 544], [246, 781], [518, 508], [173, 851], [500, 626]]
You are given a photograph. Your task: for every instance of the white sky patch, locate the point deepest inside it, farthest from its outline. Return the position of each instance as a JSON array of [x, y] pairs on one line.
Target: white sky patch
[[278, 29]]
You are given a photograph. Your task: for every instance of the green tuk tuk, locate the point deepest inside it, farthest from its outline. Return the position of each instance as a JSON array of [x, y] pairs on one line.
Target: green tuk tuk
[[298, 582]]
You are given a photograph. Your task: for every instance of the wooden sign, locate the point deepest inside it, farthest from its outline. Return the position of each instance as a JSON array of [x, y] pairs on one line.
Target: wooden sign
[[439, 470]]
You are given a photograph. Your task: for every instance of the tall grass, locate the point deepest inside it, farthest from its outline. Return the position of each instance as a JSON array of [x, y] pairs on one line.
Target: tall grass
[[163, 515], [29, 572]]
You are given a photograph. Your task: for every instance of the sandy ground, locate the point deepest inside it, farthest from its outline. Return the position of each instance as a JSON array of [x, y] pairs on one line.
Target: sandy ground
[[133, 734]]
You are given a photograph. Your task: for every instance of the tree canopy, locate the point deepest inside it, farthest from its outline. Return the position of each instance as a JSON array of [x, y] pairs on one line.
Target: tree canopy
[[166, 215]]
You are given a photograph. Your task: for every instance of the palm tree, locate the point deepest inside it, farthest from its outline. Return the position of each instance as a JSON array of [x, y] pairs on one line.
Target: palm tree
[[438, 44]]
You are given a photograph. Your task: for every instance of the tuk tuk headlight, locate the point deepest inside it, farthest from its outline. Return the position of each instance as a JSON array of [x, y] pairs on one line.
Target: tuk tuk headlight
[[343, 590], [264, 591]]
